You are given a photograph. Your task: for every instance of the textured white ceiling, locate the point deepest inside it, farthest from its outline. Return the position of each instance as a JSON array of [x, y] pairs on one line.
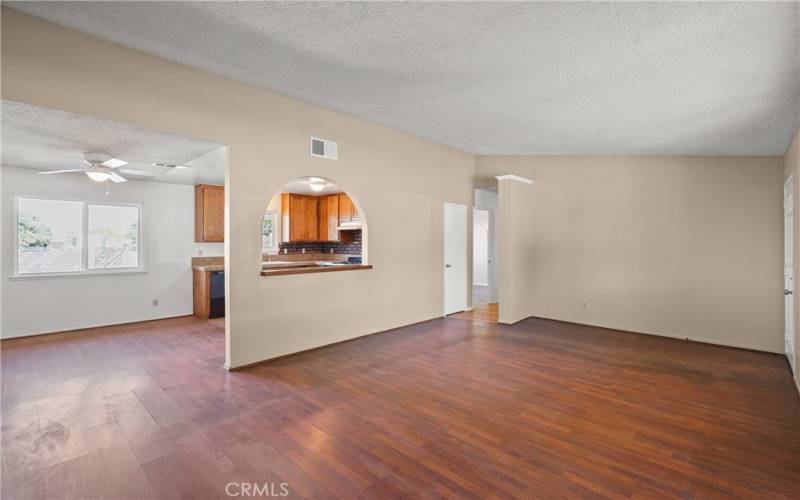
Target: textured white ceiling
[[48, 139], [683, 78]]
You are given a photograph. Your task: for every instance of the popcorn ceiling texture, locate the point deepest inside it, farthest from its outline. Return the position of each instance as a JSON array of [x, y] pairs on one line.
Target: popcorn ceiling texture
[[50, 139], [622, 78]]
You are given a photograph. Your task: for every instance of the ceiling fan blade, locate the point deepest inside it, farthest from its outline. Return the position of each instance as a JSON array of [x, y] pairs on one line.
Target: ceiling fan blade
[[116, 178], [48, 172], [136, 172], [114, 163]]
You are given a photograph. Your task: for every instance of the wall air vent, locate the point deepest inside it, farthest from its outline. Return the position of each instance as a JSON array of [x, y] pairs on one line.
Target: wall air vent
[[324, 149]]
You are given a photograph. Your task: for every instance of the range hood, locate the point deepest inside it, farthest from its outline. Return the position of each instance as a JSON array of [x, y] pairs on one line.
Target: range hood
[[350, 227]]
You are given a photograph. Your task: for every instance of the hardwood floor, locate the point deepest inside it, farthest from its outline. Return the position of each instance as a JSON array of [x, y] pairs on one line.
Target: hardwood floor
[[480, 294], [479, 312], [447, 408]]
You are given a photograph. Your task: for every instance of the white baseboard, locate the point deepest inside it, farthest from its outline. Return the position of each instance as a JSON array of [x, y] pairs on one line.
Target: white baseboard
[[702, 340], [92, 326]]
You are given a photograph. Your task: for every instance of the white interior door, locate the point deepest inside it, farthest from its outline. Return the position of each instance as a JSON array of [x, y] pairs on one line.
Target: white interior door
[[788, 269], [492, 267], [455, 258]]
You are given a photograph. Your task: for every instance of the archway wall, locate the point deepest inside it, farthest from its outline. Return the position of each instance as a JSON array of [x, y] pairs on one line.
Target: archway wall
[[401, 182]]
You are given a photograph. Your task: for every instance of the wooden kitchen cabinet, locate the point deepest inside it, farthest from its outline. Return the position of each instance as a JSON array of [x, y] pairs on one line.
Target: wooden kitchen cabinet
[[299, 213], [329, 218], [209, 212], [348, 213]]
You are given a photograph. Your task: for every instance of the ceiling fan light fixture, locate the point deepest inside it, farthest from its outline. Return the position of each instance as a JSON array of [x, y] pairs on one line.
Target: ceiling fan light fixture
[[114, 163], [99, 176]]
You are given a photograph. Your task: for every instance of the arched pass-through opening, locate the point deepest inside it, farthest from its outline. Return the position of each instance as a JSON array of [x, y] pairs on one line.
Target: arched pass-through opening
[[313, 225]]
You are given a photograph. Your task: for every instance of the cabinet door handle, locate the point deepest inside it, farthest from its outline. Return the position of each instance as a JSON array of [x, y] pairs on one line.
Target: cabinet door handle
[[448, 266]]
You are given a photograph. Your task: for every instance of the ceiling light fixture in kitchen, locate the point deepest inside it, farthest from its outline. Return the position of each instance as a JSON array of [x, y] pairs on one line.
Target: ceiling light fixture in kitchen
[[316, 184]]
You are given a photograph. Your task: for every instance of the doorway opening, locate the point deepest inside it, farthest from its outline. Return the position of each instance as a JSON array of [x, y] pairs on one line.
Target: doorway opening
[[484, 254], [483, 287]]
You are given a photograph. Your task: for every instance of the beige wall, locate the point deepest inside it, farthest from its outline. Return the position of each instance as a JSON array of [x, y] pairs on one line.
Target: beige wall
[[687, 247], [791, 166], [681, 247], [515, 245], [400, 181]]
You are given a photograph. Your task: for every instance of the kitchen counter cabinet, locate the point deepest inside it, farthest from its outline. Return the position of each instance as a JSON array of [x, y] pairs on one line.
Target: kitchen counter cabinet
[[299, 217], [208, 291], [329, 218], [348, 213], [209, 213]]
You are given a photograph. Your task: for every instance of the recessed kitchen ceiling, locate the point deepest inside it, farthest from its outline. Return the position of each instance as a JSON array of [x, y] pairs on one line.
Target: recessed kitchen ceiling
[[672, 78], [49, 139], [303, 186]]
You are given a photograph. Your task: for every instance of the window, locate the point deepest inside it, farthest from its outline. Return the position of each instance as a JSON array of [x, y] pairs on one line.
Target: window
[[49, 236], [113, 237], [60, 237], [269, 228]]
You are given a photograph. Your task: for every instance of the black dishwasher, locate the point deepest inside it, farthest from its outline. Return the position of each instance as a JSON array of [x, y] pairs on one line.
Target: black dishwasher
[[217, 306]]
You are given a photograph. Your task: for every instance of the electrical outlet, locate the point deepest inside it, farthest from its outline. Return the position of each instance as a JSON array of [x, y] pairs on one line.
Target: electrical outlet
[[155, 302]]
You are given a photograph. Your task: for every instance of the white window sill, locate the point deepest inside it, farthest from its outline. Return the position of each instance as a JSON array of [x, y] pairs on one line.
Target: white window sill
[[43, 276]]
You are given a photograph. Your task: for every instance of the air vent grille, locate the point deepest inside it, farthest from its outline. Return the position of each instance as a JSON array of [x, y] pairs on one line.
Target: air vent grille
[[322, 148]]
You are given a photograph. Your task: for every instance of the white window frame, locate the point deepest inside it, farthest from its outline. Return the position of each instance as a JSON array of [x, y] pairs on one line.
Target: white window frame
[[139, 269], [276, 222]]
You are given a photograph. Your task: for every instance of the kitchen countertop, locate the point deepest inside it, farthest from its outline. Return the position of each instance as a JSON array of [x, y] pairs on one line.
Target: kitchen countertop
[[308, 256], [208, 267], [285, 264], [208, 264], [311, 268]]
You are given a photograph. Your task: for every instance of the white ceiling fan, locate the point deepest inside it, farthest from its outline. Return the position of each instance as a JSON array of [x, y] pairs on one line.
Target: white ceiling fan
[[101, 167]]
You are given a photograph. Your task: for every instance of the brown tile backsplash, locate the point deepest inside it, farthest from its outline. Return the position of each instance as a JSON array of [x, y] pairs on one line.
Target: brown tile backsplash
[[351, 247]]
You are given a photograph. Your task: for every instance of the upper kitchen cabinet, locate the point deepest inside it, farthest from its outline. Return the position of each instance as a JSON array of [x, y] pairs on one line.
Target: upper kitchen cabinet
[[299, 217], [329, 218], [209, 213], [348, 213]]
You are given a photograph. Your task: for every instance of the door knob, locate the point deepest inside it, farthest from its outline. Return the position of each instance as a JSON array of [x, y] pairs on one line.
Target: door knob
[[788, 292], [448, 266]]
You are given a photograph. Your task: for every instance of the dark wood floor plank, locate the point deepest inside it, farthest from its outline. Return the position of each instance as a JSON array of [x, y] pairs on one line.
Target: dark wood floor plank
[[451, 408]]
